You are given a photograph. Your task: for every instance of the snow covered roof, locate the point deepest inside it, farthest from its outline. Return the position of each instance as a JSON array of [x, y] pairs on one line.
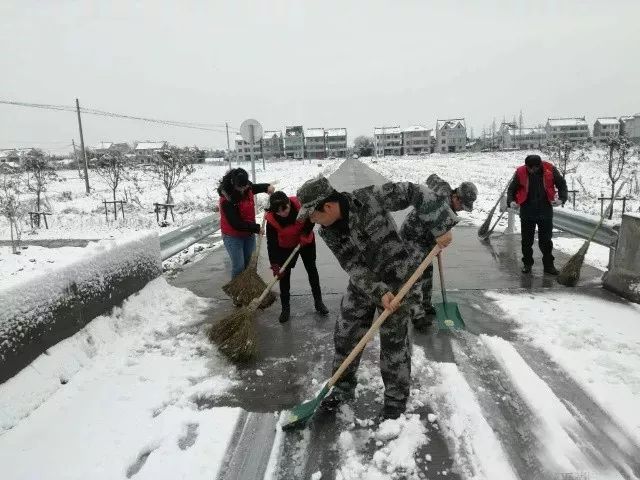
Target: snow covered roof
[[336, 132], [314, 132], [150, 145], [272, 133], [416, 128], [386, 130], [103, 146], [567, 122], [608, 121], [293, 131], [450, 123], [239, 138]]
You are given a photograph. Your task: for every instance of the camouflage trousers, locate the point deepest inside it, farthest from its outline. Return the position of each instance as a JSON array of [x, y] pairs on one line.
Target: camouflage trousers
[[357, 311], [426, 281]]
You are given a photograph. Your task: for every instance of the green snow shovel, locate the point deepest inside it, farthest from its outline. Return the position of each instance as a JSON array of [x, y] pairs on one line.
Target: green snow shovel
[[301, 414], [447, 313]]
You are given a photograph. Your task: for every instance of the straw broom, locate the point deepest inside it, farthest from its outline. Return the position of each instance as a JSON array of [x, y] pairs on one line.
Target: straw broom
[[484, 231], [248, 284], [570, 272], [235, 334]]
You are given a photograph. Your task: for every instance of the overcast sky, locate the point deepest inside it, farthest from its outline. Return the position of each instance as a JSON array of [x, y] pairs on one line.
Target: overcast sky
[[331, 63]]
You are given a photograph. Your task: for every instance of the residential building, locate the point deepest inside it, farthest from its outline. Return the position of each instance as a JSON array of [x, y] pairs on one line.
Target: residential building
[[526, 138], [604, 128], [336, 141], [148, 149], [294, 142], [272, 144], [387, 141], [574, 129], [106, 147], [314, 143], [630, 127], [416, 140], [451, 135], [243, 149]]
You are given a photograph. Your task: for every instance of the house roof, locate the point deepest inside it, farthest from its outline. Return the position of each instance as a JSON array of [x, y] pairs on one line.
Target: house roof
[[608, 121], [416, 128], [272, 133], [386, 130], [450, 123], [314, 132], [150, 145], [293, 130], [103, 146], [567, 122], [336, 132]]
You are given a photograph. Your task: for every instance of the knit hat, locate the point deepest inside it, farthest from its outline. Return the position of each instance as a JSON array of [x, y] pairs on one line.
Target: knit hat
[[533, 161], [277, 200]]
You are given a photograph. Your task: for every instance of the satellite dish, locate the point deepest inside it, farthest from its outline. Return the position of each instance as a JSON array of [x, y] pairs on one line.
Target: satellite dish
[[251, 131]]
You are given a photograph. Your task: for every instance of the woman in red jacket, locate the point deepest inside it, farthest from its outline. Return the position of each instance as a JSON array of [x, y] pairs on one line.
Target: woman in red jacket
[[237, 216], [284, 233]]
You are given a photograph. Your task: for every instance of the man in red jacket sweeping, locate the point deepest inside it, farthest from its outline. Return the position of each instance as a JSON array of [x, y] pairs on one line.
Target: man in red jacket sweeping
[[536, 188]]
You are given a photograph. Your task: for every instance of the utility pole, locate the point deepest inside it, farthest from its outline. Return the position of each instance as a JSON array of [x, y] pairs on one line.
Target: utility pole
[[75, 155], [228, 145], [84, 153]]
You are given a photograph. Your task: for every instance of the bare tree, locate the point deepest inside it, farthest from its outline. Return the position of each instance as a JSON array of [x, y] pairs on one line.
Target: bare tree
[[111, 167], [618, 152], [566, 155], [40, 173], [172, 167], [363, 146], [11, 207]]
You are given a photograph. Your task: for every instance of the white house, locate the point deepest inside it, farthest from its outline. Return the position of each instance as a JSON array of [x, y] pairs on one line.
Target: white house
[[416, 139], [604, 128], [294, 142], [336, 142], [574, 129], [630, 127], [149, 148], [243, 149], [525, 138], [388, 141], [314, 143], [272, 144], [451, 135]]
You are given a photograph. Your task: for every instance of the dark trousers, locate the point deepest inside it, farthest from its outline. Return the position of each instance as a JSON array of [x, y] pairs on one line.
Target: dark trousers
[[545, 231], [308, 255]]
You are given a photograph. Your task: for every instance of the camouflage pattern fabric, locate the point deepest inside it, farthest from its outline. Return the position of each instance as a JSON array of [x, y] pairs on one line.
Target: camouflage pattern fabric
[[378, 261]]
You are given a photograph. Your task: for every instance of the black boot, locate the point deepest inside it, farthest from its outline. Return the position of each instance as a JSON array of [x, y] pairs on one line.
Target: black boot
[[551, 270], [285, 315], [526, 269], [321, 308]]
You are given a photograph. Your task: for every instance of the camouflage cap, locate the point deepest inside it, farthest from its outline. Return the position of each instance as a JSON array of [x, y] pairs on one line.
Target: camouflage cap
[[311, 193], [468, 193]]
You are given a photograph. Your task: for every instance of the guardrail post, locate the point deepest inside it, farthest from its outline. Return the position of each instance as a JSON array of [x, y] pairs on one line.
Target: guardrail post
[[623, 276], [511, 222]]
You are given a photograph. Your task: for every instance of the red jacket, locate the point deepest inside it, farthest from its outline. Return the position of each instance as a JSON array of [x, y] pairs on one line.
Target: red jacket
[[289, 236], [246, 209], [523, 179]]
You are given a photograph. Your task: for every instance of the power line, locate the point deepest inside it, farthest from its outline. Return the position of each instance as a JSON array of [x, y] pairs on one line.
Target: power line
[[220, 128]]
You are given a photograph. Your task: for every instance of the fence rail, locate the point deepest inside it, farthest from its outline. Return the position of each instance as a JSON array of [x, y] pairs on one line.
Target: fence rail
[[181, 238]]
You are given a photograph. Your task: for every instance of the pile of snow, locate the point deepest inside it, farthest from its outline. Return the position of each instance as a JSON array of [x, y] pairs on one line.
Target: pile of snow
[[122, 397]]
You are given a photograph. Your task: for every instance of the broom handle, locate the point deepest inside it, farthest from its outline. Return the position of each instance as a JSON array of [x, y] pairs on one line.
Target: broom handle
[[277, 277], [383, 316], [256, 252], [442, 289]]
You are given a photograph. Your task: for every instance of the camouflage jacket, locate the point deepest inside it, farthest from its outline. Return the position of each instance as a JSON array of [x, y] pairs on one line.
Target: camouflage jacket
[[417, 228], [370, 250]]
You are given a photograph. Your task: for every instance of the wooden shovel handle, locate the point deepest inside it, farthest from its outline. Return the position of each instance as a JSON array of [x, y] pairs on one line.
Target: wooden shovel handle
[[383, 316]]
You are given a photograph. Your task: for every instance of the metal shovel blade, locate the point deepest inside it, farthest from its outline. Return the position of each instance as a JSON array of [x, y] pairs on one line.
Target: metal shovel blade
[[448, 316]]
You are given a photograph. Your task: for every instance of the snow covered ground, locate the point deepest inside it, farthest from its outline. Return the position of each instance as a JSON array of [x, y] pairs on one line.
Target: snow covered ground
[[121, 397]]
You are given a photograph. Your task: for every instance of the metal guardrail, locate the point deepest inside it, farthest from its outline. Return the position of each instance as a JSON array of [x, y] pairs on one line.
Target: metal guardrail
[[181, 238], [580, 225]]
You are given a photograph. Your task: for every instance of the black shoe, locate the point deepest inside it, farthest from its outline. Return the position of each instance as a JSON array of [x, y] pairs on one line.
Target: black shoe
[[321, 308], [526, 269], [285, 315], [391, 412], [336, 398], [422, 324], [551, 270], [430, 310]]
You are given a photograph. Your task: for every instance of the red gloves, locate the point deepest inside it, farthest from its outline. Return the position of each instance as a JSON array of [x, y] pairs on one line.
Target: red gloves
[[275, 268]]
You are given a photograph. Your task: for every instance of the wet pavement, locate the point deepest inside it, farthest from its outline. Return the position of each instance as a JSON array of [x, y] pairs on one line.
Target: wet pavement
[[295, 358]]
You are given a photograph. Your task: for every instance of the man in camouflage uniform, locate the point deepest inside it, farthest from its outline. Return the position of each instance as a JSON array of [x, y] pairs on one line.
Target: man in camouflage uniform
[[360, 232], [416, 231]]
